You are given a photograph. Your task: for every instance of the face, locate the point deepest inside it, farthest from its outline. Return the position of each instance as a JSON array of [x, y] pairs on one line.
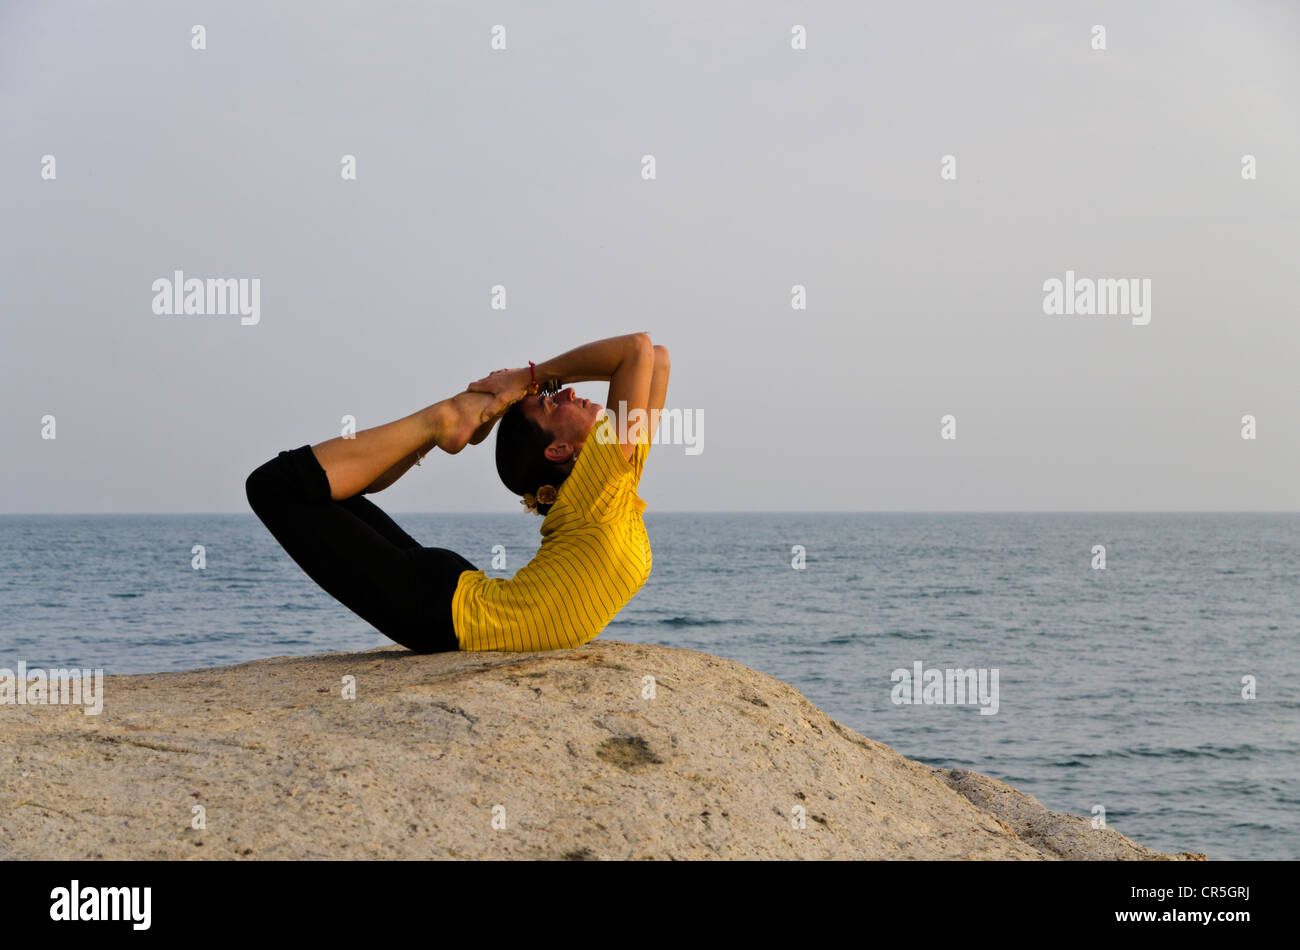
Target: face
[[568, 418]]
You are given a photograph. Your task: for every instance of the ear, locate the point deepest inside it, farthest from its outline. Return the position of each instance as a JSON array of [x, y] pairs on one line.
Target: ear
[[558, 451]]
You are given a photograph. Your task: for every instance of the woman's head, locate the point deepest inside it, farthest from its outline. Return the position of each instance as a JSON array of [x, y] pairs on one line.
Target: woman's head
[[539, 438]]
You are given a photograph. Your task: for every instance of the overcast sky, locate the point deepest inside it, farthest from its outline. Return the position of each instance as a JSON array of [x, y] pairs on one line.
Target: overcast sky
[[774, 167]]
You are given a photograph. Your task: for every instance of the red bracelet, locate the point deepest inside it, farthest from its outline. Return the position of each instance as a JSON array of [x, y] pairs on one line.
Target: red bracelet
[[552, 386]]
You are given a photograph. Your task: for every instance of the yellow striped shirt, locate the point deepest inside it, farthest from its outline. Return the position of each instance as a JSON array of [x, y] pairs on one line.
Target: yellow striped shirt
[[594, 556]]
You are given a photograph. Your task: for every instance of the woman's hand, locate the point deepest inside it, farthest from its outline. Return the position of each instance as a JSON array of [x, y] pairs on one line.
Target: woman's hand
[[485, 429], [507, 386]]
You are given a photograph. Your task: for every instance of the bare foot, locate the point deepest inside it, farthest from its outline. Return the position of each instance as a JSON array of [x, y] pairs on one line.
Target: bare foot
[[460, 420]]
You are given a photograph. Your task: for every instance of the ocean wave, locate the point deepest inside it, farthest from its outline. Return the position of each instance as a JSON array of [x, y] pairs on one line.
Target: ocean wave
[[1199, 752], [948, 592], [678, 621]]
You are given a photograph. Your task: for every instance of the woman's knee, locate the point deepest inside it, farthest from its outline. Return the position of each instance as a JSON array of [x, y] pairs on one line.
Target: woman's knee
[[264, 484], [293, 473]]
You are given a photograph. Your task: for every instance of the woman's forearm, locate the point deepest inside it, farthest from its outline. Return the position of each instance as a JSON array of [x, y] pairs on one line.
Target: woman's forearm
[[600, 360], [591, 361]]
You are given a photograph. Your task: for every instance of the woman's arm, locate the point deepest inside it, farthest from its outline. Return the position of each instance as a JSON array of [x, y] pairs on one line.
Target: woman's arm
[[600, 360], [659, 386], [629, 395]]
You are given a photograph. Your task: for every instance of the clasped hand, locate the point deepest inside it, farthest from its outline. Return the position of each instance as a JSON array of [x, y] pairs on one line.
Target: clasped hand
[[506, 386]]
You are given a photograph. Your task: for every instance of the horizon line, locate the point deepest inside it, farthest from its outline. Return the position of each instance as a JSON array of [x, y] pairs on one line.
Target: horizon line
[[738, 511]]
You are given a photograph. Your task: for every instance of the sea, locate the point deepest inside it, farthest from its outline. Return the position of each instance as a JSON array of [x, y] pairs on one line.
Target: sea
[[1139, 669]]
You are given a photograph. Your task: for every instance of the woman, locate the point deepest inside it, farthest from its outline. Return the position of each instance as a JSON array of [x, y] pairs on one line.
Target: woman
[[570, 463]]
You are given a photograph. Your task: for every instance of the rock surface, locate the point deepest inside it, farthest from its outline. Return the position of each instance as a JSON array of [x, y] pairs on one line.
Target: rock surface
[[494, 755]]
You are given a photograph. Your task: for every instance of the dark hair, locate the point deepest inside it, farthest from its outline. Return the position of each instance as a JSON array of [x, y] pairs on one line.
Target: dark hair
[[521, 455]]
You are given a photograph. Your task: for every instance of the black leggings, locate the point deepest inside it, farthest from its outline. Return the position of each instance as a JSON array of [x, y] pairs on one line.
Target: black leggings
[[358, 554]]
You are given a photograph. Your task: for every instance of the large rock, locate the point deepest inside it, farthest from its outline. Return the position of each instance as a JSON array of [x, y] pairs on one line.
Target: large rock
[[494, 755]]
